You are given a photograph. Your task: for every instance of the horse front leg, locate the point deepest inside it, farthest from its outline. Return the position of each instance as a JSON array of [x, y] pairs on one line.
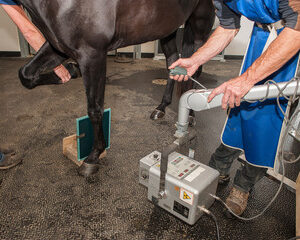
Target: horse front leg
[[197, 31], [169, 48], [201, 23], [46, 58], [94, 77]]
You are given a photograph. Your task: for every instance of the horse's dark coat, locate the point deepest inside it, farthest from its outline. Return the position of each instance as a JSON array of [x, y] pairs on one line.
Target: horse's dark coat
[[85, 30]]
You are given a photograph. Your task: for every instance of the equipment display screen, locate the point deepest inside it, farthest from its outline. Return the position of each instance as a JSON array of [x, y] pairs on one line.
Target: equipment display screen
[[181, 167]]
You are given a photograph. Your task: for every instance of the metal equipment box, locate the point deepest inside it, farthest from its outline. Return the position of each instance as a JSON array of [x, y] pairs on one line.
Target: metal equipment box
[[188, 185]]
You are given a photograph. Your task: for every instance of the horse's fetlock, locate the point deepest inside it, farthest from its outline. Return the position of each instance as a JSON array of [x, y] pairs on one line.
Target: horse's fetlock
[[94, 115]]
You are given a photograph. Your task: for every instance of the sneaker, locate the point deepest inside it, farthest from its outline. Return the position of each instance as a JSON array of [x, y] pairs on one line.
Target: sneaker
[[237, 201], [9, 160]]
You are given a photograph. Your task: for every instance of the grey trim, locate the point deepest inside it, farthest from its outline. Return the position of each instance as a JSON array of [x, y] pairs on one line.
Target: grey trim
[[137, 51], [24, 46]]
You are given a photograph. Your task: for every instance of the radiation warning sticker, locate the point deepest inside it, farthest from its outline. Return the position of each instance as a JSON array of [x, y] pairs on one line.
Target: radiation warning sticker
[[186, 196]]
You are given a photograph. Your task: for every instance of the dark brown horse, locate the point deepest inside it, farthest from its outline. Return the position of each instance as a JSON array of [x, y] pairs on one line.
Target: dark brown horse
[[85, 30]]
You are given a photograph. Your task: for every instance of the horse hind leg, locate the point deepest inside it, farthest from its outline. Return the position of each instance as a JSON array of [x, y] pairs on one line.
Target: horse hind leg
[[46, 58], [188, 48], [169, 48], [197, 31], [201, 23]]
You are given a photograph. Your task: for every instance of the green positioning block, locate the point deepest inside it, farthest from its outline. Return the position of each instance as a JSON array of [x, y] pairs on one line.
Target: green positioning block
[[178, 71], [85, 134]]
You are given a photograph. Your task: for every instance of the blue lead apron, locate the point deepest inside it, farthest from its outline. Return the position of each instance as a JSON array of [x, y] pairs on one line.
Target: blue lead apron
[[8, 2], [255, 127]]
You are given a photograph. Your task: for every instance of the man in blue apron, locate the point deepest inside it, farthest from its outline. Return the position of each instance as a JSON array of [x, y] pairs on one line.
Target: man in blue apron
[[273, 53]]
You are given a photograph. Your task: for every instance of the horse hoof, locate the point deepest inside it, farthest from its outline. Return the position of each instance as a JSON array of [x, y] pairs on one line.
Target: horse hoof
[[157, 114], [26, 81], [192, 121], [88, 169]]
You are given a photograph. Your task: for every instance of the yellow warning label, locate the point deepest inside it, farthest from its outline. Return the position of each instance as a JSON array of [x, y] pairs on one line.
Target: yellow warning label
[[185, 196]]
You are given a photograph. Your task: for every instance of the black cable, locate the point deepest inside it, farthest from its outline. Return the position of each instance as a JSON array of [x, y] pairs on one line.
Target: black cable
[[217, 226], [203, 209], [294, 238]]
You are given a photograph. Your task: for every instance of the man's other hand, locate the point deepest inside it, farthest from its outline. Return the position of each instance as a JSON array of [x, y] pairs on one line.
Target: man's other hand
[[233, 91]]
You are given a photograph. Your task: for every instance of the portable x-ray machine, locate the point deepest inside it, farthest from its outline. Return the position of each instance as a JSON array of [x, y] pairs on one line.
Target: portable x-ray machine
[[179, 184]]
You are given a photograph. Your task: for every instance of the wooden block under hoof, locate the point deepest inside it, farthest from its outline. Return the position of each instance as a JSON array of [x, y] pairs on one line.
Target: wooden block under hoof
[[70, 149], [298, 206]]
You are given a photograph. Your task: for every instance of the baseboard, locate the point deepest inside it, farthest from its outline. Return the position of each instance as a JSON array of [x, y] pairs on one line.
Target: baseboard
[[233, 57], [10, 54], [130, 55], [125, 54], [151, 55]]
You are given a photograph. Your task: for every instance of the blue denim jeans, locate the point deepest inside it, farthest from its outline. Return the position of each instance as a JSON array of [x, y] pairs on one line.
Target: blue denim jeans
[[246, 177]]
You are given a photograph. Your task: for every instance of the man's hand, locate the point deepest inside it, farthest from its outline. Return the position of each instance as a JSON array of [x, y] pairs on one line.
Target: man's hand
[[216, 43], [233, 90], [190, 64], [62, 73]]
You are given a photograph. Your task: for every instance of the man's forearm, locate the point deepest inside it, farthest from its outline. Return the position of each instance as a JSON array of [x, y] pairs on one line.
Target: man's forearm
[[281, 50], [29, 31], [216, 43]]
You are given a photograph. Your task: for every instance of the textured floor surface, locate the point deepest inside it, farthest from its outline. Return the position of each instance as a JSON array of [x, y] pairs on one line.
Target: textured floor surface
[[44, 198]]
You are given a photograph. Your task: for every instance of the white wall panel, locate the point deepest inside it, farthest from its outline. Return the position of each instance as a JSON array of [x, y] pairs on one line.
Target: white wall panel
[[9, 38], [239, 45], [146, 48], [236, 48]]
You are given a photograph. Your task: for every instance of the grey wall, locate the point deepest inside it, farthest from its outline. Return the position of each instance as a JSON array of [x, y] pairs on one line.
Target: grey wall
[[239, 44]]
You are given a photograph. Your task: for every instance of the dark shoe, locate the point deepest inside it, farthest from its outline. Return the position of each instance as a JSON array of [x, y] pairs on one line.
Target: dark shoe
[[237, 201], [9, 160], [224, 179]]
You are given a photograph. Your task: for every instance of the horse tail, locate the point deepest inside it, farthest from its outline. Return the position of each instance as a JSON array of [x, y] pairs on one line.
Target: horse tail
[[187, 50]]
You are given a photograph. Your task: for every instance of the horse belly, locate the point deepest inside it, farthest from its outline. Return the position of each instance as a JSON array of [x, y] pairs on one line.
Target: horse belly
[[146, 21]]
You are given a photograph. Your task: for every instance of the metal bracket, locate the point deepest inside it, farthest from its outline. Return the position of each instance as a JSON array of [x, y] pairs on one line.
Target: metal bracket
[[165, 155], [80, 136], [294, 134]]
